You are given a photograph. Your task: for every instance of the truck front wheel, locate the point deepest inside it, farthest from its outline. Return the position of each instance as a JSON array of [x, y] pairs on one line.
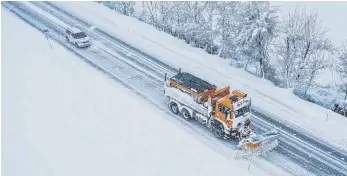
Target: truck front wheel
[[218, 131]]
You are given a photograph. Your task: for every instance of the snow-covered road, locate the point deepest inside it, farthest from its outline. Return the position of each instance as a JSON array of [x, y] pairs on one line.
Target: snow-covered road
[[124, 62]]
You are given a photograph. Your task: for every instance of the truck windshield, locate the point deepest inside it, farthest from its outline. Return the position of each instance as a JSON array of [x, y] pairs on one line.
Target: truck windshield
[[79, 35], [242, 111]]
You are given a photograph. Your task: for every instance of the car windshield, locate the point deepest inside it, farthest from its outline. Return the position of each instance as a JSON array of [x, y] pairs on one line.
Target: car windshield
[[242, 111], [79, 35]]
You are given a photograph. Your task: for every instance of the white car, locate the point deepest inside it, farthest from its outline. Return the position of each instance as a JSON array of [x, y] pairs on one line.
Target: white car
[[77, 37]]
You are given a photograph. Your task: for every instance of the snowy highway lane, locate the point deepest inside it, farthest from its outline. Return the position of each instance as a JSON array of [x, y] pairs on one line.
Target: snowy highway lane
[[127, 65]]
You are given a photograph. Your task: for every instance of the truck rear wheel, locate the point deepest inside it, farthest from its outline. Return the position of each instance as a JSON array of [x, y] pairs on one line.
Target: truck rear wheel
[[185, 114], [174, 108]]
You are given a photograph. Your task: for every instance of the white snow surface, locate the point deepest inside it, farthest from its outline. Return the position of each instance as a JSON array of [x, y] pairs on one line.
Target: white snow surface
[[316, 120], [61, 116]]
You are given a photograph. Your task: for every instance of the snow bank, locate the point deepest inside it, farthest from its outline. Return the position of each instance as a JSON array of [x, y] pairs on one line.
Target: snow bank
[[175, 52], [62, 117]]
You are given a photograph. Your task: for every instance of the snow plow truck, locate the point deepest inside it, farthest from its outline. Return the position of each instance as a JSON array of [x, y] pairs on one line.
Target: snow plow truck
[[227, 114]]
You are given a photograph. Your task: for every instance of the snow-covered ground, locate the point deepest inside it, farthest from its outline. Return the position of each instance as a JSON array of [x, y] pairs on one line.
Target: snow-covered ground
[[316, 120], [62, 117]]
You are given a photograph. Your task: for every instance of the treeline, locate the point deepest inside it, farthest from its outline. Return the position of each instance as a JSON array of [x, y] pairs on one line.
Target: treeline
[[291, 52]]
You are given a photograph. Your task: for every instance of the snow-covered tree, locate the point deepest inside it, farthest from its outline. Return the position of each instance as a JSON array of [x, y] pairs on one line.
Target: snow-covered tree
[[256, 25], [303, 49], [123, 7], [210, 31], [342, 67], [287, 48], [127, 7], [182, 19], [226, 24], [196, 26], [178, 18], [152, 9], [342, 56], [164, 12]]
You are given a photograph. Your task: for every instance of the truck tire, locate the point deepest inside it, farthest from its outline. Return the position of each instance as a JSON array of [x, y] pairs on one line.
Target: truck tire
[[185, 114], [218, 131], [174, 108]]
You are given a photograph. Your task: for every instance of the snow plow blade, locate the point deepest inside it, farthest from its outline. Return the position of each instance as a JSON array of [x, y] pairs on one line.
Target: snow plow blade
[[257, 145]]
